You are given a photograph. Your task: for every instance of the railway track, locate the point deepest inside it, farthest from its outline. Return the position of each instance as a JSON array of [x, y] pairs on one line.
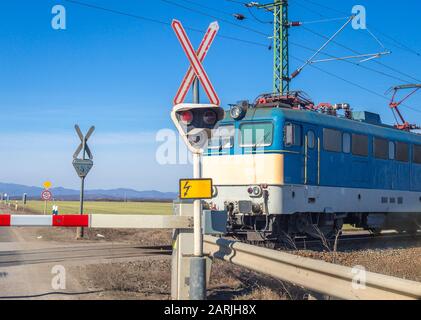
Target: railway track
[[357, 241], [78, 254], [347, 241]]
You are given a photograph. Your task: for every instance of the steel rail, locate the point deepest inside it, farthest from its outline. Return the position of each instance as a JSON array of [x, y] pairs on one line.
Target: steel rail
[[319, 276]]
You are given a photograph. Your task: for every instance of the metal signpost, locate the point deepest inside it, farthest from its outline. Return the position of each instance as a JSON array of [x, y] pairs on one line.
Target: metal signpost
[[46, 194], [82, 166], [196, 188]]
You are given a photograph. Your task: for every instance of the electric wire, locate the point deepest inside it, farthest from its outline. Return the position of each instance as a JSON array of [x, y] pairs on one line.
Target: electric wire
[[397, 43], [325, 20], [377, 40], [257, 18], [353, 83], [207, 7], [96, 7], [261, 33], [139, 17], [238, 2], [348, 61], [214, 17], [357, 52]]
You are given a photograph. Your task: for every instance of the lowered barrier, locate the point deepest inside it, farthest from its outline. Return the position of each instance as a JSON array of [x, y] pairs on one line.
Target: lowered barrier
[[322, 277], [98, 221]]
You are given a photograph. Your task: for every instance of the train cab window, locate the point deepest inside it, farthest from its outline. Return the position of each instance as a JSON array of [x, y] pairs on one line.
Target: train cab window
[[402, 151], [381, 148], [311, 140], [292, 135], [392, 150], [256, 135], [360, 145], [222, 137], [332, 140], [346, 143], [417, 154]]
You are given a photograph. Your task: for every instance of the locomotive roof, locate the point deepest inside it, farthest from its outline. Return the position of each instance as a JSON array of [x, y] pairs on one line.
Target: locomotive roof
[[328, 121]]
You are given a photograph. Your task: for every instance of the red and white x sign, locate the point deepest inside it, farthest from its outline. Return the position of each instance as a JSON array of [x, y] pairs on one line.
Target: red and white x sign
[[196, 59]]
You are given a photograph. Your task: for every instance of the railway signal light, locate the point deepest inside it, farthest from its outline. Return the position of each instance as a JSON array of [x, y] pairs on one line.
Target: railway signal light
[[195, 123]]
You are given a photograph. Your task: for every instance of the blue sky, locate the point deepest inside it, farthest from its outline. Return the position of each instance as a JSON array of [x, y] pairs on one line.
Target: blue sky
[[121, 73]]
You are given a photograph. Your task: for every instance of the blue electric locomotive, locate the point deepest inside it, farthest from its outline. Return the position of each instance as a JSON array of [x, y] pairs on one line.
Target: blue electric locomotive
[[282, 168]]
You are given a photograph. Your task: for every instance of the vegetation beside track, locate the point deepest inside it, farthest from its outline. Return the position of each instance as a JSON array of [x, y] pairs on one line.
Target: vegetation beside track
[[97, 207]]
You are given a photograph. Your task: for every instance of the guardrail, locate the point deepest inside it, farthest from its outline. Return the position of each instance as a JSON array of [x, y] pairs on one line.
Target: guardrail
[[318, 276]]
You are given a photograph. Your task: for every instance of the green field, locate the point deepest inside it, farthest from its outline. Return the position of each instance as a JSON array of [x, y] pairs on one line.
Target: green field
[[93, 207]]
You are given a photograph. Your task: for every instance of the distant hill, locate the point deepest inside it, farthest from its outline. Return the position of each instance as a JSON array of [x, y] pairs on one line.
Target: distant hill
[[16, 191]]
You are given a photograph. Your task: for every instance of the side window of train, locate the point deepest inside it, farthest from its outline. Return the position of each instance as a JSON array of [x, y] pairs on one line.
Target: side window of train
[[346, 143], [222, 137], [392, 150], [332, 140], [360, 145], [417, 154], [311, 139], [381, 148], [402, 151], [256, 135], [292, 135]]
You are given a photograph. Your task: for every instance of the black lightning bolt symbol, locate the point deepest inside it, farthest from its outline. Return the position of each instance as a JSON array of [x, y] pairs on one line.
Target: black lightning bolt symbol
[[186, 188]]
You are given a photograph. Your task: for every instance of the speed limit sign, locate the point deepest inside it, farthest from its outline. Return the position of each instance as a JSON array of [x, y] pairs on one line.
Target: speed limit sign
[[46, 195]]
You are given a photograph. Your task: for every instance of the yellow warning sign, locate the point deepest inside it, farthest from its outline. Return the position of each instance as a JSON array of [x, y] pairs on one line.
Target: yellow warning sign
[[47, 184], [196, 189]]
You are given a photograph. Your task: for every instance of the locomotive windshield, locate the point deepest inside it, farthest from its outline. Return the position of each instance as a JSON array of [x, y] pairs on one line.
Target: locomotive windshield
[[254, 135]]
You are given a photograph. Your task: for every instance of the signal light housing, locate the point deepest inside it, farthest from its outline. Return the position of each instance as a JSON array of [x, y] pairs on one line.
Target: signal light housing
[[195, 122]]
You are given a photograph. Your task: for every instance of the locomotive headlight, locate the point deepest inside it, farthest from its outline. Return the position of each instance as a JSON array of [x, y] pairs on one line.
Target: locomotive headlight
[[255, 191], [238, 111]]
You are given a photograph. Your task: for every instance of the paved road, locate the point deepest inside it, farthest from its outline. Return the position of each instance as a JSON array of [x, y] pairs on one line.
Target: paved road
[[77, 254]]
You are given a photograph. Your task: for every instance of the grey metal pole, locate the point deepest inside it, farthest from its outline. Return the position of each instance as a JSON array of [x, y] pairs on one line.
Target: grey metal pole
[[79, 230], [198, 263], [196, 93]]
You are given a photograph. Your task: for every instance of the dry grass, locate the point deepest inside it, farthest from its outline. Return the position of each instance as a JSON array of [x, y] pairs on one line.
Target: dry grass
[[261, 293], [147, 279]]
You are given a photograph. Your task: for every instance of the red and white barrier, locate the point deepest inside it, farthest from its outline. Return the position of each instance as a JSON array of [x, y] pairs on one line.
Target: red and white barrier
[[14, 220], [109, 221]]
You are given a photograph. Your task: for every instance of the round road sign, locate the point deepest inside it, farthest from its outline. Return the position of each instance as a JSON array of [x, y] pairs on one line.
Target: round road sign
[[46, 195]]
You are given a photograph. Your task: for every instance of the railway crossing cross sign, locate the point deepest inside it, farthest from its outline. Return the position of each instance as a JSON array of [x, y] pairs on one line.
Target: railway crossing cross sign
[[196, 59], [83, 166]]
